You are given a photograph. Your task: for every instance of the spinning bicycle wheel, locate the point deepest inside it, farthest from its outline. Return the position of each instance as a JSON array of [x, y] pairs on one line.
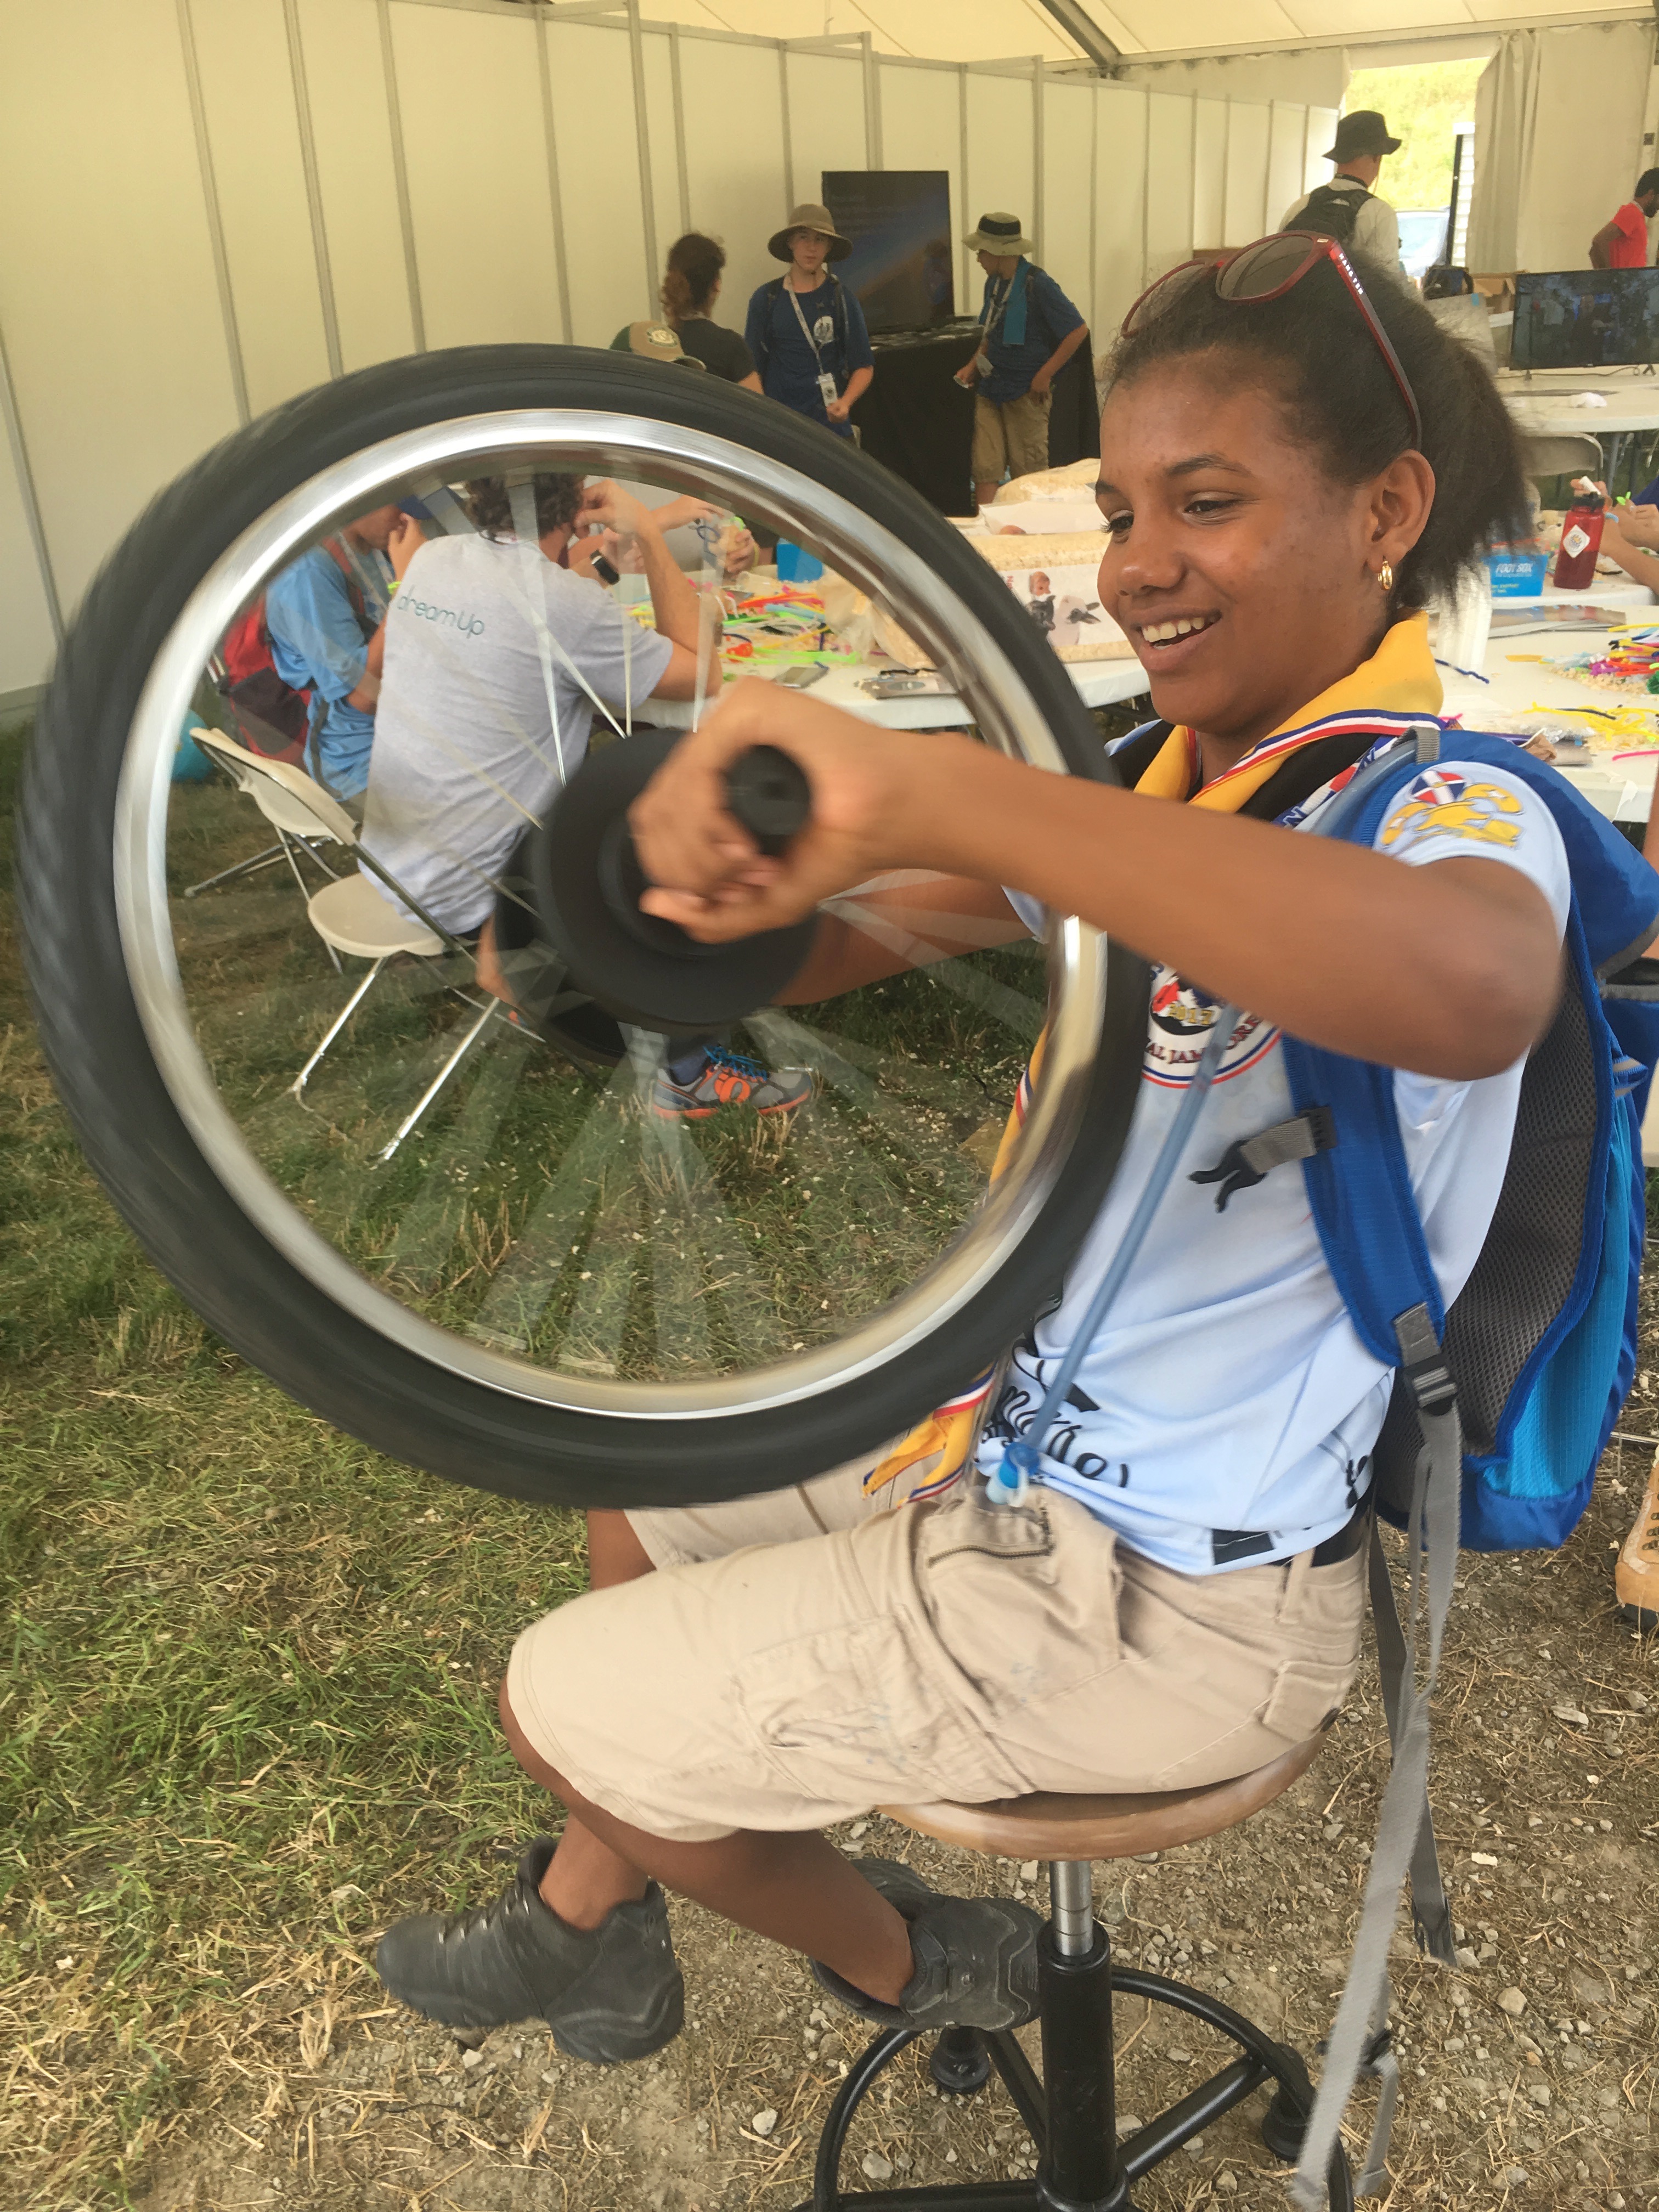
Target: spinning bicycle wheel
[[548, 1288]]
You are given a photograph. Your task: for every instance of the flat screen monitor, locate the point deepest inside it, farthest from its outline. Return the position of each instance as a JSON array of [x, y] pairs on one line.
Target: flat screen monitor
[[903, 263], [1585, 318]]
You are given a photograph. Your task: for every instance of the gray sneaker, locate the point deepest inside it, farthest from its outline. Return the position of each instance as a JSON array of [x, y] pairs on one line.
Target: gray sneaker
[[609, 1993], [976, 1957]]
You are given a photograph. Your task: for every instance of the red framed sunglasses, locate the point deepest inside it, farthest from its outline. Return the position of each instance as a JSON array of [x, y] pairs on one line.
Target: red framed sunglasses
[[1266, 271]]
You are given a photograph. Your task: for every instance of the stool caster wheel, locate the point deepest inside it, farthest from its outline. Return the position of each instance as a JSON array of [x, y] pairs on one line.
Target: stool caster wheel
[[1283, 2125], [959, 2062]]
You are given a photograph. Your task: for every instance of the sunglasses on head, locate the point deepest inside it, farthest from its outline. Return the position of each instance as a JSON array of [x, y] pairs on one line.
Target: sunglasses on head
[[1268, 270]]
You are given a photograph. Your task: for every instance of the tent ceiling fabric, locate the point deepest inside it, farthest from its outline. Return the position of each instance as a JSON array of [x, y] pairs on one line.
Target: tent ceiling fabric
[[990, 30]]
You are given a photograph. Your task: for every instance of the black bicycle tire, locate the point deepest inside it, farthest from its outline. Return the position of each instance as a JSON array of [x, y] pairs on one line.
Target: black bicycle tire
[[190, 1223]]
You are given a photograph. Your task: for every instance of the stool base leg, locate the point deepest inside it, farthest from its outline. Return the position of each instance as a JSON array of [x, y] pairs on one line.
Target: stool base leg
[[960, 2062]]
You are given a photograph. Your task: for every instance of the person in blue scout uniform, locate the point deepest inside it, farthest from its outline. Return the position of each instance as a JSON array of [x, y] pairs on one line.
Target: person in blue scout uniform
[[1295, 460], [327, 616], [1029, 330], [805, 330]]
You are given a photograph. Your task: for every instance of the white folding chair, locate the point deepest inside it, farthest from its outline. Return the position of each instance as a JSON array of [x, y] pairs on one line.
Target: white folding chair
[[349, 915], [288, 798], [348, 912]]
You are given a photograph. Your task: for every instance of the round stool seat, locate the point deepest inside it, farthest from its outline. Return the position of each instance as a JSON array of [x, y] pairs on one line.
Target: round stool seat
[[1048, 1825]]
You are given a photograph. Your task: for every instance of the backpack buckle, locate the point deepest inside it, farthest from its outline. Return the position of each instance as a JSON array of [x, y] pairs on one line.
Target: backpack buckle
[[1423, 1364]]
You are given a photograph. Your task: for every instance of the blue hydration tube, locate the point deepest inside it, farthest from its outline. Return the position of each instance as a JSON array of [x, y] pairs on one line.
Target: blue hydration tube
[[1024, 1453]]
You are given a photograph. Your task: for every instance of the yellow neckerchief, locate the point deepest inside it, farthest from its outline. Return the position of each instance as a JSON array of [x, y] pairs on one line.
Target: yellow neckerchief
[[1399, 678]]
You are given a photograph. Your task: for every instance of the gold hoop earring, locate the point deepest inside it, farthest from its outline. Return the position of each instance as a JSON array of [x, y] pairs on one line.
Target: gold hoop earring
[[1385, 575]]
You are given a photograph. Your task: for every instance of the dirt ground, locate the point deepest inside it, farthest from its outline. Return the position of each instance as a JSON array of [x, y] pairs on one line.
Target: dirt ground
[[1548, 1811]]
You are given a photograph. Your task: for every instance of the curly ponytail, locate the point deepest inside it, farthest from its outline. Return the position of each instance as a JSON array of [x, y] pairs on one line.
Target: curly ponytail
[[695, 263]]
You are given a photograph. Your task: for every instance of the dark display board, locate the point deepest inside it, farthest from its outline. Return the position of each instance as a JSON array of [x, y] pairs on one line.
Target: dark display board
[[903, 262], [916, 422], [1584, 318]]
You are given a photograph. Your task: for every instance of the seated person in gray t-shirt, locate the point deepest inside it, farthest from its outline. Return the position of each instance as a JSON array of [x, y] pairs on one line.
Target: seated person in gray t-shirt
[[469, 747]]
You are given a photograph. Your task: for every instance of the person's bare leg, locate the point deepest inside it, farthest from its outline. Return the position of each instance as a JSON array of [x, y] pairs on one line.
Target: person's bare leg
[[796, 1887], [615, 1554], [593, 1879]]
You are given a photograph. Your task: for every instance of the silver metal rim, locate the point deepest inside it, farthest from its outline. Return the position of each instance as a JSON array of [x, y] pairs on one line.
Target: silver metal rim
[[872, 557]]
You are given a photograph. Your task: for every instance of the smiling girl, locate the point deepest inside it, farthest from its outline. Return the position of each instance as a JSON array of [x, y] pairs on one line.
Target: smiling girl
[[1285, 479]]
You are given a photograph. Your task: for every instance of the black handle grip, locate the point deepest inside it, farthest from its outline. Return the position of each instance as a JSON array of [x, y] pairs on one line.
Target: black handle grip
[[768, 791]]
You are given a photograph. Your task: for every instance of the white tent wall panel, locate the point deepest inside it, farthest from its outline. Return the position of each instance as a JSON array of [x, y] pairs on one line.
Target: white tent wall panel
[[734, 158], [1170, 124], [826, 132], [1321, 133], [921, 129], [114, 320], [1120, 207], [593, 80], [1001, 157], [1245, 214], [253, 131], [469, 89], [666, 153], [351, 130], [1287, 134], [1210, 120], [26, 640], [109, 304], [1068, 227]]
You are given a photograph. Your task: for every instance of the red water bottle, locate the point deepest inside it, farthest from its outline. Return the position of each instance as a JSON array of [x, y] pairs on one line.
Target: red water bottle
[[1581, 541]]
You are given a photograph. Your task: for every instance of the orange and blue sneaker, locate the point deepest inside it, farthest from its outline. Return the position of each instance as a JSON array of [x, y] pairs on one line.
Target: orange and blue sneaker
[[728, 1079]]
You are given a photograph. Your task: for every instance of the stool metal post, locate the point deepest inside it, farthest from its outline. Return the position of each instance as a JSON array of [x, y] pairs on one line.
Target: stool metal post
[[1079, 2171]]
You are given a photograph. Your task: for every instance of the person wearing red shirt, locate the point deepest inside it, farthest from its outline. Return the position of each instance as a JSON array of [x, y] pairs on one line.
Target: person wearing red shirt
[[1623, 243]]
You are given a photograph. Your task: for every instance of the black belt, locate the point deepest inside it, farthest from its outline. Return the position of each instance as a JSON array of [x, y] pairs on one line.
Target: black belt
[[1347, 1538]]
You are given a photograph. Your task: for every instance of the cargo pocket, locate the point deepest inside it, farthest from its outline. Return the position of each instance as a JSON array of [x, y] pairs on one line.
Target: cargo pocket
[[851, 1710], [1306, 1699]]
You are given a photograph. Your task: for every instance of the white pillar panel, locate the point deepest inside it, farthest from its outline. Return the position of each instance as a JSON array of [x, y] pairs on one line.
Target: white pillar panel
[[1209, 172], [593, 75], [734, 173], [826, 127], [1068, 129], [1246, 173], [1287, 130], [657, 55], [477, 190], [1169, 238], [253, 130], [1322, 136], [108, 297], [345, 79], [1121, 211], [921, 129], [1000, 128], [26, 643]]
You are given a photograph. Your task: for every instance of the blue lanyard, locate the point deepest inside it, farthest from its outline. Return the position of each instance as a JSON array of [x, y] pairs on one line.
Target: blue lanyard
[[1026, 1452]]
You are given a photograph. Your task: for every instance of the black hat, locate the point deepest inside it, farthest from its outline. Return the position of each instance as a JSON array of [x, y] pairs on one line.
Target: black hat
[[1365, 131]]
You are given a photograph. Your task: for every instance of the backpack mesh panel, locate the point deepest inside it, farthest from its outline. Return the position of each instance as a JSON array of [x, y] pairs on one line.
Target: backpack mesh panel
[[1531, 1254]]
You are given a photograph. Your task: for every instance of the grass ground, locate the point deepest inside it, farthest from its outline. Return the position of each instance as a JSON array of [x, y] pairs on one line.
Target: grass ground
[[248, 1719]]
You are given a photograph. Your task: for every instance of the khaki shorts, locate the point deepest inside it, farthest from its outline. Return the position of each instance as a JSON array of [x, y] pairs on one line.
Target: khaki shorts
[[1012, 435], [850, 1658]]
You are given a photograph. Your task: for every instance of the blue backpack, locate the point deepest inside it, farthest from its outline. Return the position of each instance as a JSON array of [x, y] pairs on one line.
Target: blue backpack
[[1541, 1343], [1502, 1404]]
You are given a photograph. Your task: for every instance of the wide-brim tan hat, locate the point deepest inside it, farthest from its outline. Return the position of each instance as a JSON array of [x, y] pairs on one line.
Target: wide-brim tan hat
[[656, 341], [809, 216], [998, 233]]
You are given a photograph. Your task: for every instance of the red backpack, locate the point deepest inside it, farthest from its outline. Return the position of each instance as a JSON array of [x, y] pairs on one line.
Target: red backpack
[[272, 717]]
